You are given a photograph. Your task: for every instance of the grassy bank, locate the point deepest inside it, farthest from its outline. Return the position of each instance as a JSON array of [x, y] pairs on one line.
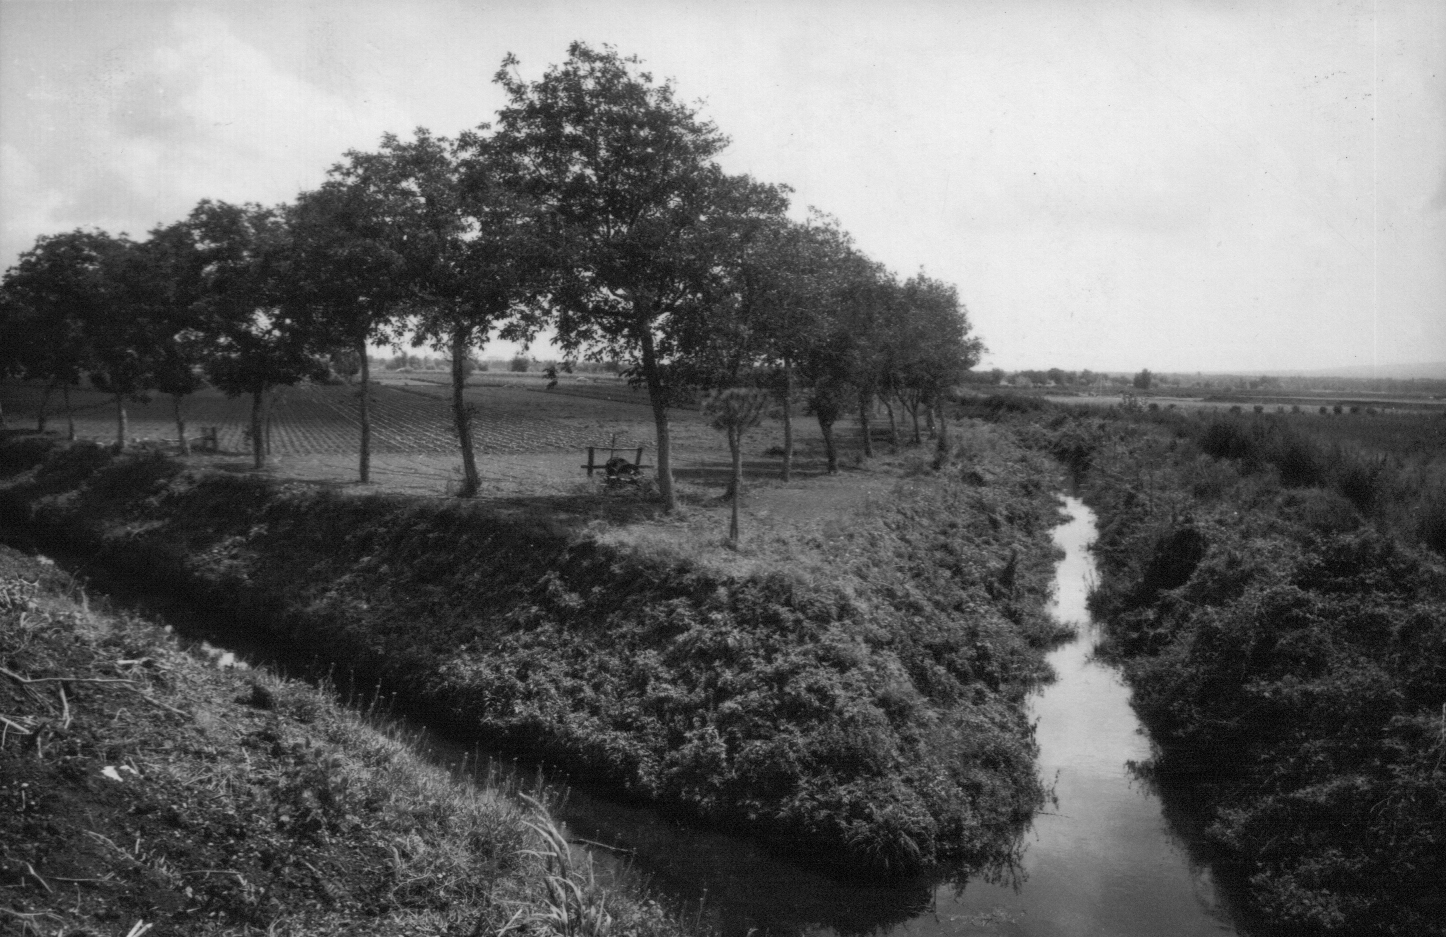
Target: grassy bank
[[867, 706], [1286, 645], [143, 791]]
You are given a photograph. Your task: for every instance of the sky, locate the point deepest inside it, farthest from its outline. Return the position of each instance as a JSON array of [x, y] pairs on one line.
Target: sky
[[1183, 185]]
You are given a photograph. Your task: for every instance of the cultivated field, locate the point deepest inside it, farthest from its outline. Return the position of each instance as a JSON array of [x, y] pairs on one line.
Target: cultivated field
[[529, 440], [411, 417]]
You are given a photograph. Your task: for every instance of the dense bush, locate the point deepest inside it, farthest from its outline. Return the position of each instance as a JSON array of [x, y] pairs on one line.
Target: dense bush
[[1290, 661], [876, 716]]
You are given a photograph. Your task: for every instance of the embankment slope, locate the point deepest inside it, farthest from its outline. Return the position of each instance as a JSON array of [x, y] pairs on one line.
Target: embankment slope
[[873, 714]]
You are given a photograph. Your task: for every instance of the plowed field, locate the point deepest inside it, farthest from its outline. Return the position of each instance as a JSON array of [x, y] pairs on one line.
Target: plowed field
[[415, 420]]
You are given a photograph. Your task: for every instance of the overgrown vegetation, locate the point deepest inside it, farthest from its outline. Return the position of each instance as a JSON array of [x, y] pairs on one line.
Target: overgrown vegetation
[[142, 791], [1286, 644], [870, 708]]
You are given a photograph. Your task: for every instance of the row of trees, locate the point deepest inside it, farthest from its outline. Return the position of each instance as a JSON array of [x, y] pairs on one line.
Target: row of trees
[[594, 206]]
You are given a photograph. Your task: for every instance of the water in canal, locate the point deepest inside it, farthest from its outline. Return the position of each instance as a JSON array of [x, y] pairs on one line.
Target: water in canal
[[1103, 861]]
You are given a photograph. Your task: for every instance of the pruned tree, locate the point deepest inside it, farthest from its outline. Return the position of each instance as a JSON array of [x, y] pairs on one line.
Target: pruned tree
[[735, 410], [625, 173]]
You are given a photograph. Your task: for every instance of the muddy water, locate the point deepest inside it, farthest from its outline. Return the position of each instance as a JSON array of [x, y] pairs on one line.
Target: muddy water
[[1103, 861]]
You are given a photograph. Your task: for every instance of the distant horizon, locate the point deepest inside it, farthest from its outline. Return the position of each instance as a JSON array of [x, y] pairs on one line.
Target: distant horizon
[[1432, 369]]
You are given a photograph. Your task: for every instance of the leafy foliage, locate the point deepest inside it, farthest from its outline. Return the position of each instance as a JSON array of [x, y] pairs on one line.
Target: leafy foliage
[[1287, 658], [877, 716]]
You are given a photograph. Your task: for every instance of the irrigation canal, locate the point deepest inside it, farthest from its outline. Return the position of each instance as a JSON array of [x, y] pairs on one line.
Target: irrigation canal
[[1103, 861]]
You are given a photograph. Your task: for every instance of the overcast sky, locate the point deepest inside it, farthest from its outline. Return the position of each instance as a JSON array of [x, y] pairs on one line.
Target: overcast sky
[[1114, 185]]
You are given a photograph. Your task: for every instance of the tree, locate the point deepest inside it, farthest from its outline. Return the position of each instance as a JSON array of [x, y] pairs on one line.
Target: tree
[[165, 284], [52, 291], [947, 350], [124, 333], [841, 362], [346, 269], [257, 343], [782, 274], [735, 410], [471, 255], [1144, 379], [626, 175]]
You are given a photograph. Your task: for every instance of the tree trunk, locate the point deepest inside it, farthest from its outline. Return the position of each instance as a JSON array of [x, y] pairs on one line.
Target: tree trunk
[[893, 424], [865, 401], [828, 447], [181, 443], [929, 418], [462, 414], [660, 414], [69, 413], [941, 453], [735, 442], [120, 421], [914, 413], [364, 468], [787, 421], [44, 404], [258, 442]]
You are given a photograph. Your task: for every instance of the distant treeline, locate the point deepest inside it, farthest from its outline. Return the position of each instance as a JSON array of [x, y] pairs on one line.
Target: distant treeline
[[1211, 383]]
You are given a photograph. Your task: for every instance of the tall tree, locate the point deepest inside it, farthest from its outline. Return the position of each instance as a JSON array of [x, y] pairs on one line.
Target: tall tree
[[838, 362], [801, 265], [626, 174], [125, 334], [258, 344], [58, 286], [945, 349], [345, 271], [164, 292], [471, 255]]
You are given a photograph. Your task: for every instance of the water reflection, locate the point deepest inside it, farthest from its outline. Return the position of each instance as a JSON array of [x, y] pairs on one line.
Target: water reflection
[[1105, 861]]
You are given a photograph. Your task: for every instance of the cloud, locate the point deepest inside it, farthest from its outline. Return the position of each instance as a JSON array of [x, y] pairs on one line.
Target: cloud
[[140, 130]]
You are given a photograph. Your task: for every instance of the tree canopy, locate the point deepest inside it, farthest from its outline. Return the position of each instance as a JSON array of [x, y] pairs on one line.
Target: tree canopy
[[593, 206]]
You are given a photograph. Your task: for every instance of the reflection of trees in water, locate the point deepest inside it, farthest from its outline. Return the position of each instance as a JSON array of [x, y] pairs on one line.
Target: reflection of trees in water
[[1186, 818]]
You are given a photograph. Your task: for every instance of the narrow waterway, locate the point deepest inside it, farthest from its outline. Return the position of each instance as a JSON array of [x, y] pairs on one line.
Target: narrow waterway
[[1102, 862]]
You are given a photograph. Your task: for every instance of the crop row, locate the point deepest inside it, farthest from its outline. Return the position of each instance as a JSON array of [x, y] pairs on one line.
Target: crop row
[[318, 420]]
